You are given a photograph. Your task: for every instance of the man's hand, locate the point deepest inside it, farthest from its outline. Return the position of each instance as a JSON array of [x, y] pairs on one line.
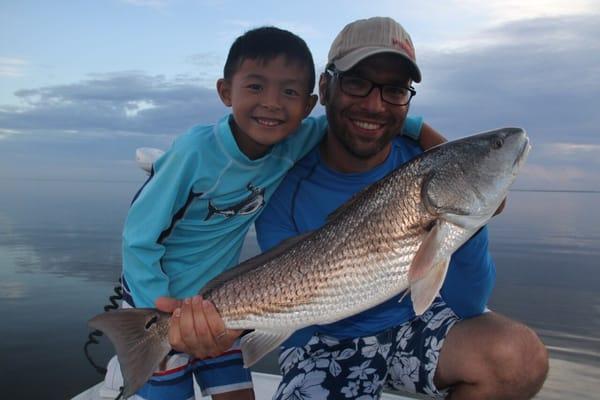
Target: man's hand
[[196, 327]]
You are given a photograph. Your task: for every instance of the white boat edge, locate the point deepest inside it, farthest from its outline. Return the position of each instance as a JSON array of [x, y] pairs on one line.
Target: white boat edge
[[264, 388]]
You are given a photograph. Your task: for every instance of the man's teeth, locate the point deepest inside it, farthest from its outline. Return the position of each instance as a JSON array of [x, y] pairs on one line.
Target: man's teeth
[[267, 122], [366, 125]]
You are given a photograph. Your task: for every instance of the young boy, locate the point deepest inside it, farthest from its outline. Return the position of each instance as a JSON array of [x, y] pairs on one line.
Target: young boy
[[188, 222]]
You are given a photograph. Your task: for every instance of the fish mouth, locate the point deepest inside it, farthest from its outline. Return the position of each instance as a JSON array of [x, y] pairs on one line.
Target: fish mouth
[[523, 152]]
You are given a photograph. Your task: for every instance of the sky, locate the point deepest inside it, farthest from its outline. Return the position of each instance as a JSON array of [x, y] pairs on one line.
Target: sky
[[85, 83]]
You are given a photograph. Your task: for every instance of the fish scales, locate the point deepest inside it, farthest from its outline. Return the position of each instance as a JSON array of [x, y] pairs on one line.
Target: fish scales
[[369, 248]]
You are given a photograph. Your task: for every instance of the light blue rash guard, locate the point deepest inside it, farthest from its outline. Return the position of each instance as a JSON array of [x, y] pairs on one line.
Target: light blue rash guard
[[188, 222], [311, 191]]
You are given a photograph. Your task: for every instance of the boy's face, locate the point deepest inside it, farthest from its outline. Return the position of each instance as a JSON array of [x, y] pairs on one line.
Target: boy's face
[[268, 100]]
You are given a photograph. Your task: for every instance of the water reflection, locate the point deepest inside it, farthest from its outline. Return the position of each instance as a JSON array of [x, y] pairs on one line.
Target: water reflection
[[60, 256]]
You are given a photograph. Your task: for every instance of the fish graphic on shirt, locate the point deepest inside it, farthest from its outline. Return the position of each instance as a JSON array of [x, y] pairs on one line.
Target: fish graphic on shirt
[[251, 204]]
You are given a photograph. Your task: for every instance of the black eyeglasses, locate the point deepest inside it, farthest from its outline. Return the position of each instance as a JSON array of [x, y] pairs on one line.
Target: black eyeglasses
[[361, 87]]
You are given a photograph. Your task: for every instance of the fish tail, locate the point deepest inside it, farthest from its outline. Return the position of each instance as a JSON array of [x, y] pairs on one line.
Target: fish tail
[[140, 340]]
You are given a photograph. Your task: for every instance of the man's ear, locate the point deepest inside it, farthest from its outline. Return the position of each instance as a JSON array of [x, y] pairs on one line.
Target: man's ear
[[323, 88], [224, 91], [312, 102]]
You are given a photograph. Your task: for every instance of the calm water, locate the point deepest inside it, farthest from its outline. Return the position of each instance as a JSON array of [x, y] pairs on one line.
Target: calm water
[[60, 257]]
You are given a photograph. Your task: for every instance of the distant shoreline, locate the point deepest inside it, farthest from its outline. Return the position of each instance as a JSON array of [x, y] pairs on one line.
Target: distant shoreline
[[143, 178]]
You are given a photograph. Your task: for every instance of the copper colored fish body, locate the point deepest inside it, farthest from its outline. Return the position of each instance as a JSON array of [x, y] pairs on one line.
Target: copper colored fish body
[[396, 235]]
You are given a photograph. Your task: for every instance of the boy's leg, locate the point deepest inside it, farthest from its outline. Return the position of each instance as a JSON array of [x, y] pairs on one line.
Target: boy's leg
[[224, 377]]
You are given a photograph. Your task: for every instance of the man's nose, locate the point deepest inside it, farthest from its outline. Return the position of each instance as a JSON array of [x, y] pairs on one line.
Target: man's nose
[[373, 102]]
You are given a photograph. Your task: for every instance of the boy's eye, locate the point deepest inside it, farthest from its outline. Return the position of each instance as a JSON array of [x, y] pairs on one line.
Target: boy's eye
[[291, 92], [255, 87]]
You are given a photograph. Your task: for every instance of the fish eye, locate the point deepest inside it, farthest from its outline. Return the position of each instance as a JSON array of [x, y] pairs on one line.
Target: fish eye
[[497, 143]]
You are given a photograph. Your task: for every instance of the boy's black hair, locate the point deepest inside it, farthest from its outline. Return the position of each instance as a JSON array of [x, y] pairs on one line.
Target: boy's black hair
[[267, 43]]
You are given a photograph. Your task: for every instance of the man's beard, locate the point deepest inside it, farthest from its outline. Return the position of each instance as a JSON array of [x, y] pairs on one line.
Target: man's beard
[[351, 144], [363, 152]]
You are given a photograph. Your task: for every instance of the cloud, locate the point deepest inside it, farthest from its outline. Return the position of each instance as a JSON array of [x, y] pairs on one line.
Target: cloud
[[147, 3], [127, 102], [573, 151], [541, 74], [510, 10], [557, 177], [12, 67]]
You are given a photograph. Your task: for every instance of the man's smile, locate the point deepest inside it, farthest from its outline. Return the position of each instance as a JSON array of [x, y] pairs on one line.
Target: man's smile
[[367, 125]]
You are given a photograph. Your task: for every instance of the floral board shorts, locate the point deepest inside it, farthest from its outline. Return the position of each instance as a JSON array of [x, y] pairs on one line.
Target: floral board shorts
[[404, 357]]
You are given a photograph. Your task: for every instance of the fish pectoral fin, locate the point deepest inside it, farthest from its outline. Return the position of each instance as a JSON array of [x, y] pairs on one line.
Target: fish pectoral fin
[[139, 348], [256, 344], [426, 255], [424, 290], [428, 268]]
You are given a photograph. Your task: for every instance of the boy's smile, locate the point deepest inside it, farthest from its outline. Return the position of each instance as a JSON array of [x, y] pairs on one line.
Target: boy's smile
[[269, 99]]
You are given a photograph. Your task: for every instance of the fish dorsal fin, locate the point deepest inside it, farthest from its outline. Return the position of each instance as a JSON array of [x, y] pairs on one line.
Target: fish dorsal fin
[[256, 344], [254, 262], [428, 268]]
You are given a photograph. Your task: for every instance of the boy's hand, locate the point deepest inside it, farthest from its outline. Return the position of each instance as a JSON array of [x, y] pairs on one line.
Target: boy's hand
[[430, 137], [196, 327]]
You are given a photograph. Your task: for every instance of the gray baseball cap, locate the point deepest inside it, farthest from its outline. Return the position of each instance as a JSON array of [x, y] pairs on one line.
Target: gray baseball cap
[[366, 37]]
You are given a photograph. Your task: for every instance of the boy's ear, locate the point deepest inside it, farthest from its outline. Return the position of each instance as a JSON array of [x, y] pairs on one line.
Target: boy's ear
[[312, 102], [224, 91], [323, 88]]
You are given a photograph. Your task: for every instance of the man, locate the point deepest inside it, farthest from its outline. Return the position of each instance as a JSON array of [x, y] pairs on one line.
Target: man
[[454, 349]]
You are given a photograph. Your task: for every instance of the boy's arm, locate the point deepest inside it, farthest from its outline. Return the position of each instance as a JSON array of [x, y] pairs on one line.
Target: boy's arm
[[196, 327], [419, 131], [148, 221], [306, 137], [430, 137]]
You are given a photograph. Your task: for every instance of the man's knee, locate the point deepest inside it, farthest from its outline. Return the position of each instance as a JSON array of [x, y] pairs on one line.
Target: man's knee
[[519, 360]]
